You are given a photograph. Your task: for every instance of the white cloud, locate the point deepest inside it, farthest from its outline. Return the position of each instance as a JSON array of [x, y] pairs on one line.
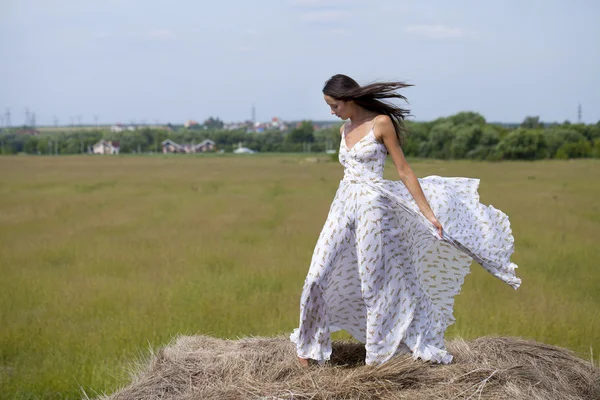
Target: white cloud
[[253, 33], [324, 16], [326, 2], [338, 32], [102, 35], [246, 49], [160, 34], [439, 32]]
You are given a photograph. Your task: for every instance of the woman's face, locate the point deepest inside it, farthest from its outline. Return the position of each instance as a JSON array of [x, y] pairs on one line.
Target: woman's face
[[338, 108]]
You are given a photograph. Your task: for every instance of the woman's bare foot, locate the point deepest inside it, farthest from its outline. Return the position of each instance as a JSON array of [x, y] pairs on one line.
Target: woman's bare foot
[[303, 362]]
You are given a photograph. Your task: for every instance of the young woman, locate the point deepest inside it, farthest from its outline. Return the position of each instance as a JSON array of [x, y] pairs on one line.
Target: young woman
[[393, 254]]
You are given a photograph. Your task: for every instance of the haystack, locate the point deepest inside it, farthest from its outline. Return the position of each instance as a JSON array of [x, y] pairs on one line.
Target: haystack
[[201, 367]]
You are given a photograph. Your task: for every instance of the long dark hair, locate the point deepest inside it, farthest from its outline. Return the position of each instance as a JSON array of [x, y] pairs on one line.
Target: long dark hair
[[342, 87]]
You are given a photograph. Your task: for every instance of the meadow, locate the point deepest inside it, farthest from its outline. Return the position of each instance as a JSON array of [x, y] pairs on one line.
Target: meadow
[[104, 258]]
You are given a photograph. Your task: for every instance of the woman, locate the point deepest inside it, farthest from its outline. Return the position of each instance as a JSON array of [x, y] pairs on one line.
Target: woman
[[392, 255]]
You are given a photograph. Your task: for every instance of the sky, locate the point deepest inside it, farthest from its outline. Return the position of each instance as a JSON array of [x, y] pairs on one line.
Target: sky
[[172, 61]]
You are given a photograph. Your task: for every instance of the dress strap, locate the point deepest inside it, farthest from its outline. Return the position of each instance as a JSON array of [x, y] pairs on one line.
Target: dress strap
[[373, 126]]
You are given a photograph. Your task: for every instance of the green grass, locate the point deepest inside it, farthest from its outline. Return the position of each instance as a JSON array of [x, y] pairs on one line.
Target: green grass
[[103, 257]]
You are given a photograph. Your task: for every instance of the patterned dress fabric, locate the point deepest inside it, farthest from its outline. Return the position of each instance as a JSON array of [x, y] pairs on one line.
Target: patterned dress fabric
[[381, 272]]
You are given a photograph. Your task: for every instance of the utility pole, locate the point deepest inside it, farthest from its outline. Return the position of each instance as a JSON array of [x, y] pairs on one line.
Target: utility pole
[[96, 120], [579, 113], [7, 118], [26, 117]]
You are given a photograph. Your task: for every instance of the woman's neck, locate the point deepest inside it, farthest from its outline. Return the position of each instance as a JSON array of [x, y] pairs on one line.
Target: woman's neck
[[361, 115]]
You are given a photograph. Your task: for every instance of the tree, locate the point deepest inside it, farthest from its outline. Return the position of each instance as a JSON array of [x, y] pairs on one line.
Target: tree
[[465, 140], [440, 139], [213, 123], [557, 137], [467, 118], [416, 134], [596, 149], [30, 145], [302, 134], [581, 149], [532, 123], [523, 144]]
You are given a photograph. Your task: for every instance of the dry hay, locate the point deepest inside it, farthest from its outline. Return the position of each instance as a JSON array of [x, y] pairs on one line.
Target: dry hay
[[201, 367]]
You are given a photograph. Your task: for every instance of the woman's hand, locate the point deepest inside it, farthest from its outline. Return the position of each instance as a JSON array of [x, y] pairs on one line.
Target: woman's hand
[[436, 223]]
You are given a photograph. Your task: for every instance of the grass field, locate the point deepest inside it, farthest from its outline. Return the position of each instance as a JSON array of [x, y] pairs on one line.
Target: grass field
[[104, 257]]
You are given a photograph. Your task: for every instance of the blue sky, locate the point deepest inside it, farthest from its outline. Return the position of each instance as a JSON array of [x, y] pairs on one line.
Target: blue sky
[[158, 60]]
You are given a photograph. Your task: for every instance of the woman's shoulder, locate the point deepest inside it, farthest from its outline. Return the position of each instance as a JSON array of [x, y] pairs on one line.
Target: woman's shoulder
[[382, 123], [382, 120], [383, 126]]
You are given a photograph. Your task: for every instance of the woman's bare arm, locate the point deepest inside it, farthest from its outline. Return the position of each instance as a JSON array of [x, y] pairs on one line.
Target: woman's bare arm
[[387, 134]]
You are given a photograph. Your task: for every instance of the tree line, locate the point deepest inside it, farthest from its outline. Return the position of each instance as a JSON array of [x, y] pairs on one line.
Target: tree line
[[465, 135]]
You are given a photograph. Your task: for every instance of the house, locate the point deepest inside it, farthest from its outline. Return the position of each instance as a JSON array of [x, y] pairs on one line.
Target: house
[[120, 128], [191, 124], [205, 145], [106, 147], [28, 131], [277, 123], [117, 128], [170, 146]]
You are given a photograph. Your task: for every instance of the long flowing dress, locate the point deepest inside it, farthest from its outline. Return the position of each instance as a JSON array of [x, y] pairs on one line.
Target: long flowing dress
[[381, 272]]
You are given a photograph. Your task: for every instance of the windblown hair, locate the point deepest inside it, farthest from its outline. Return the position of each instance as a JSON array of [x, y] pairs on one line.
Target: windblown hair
[[342, 87]]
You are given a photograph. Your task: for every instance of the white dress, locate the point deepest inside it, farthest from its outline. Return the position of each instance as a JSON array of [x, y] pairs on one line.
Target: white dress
[[379, 269]]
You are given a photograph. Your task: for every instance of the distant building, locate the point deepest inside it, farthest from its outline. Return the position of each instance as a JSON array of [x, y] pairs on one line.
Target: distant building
[[120, 128], [170, 146], [28, 131], [276, 123], [191, 124], [204, 146], [106, 147], [243, 150]]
